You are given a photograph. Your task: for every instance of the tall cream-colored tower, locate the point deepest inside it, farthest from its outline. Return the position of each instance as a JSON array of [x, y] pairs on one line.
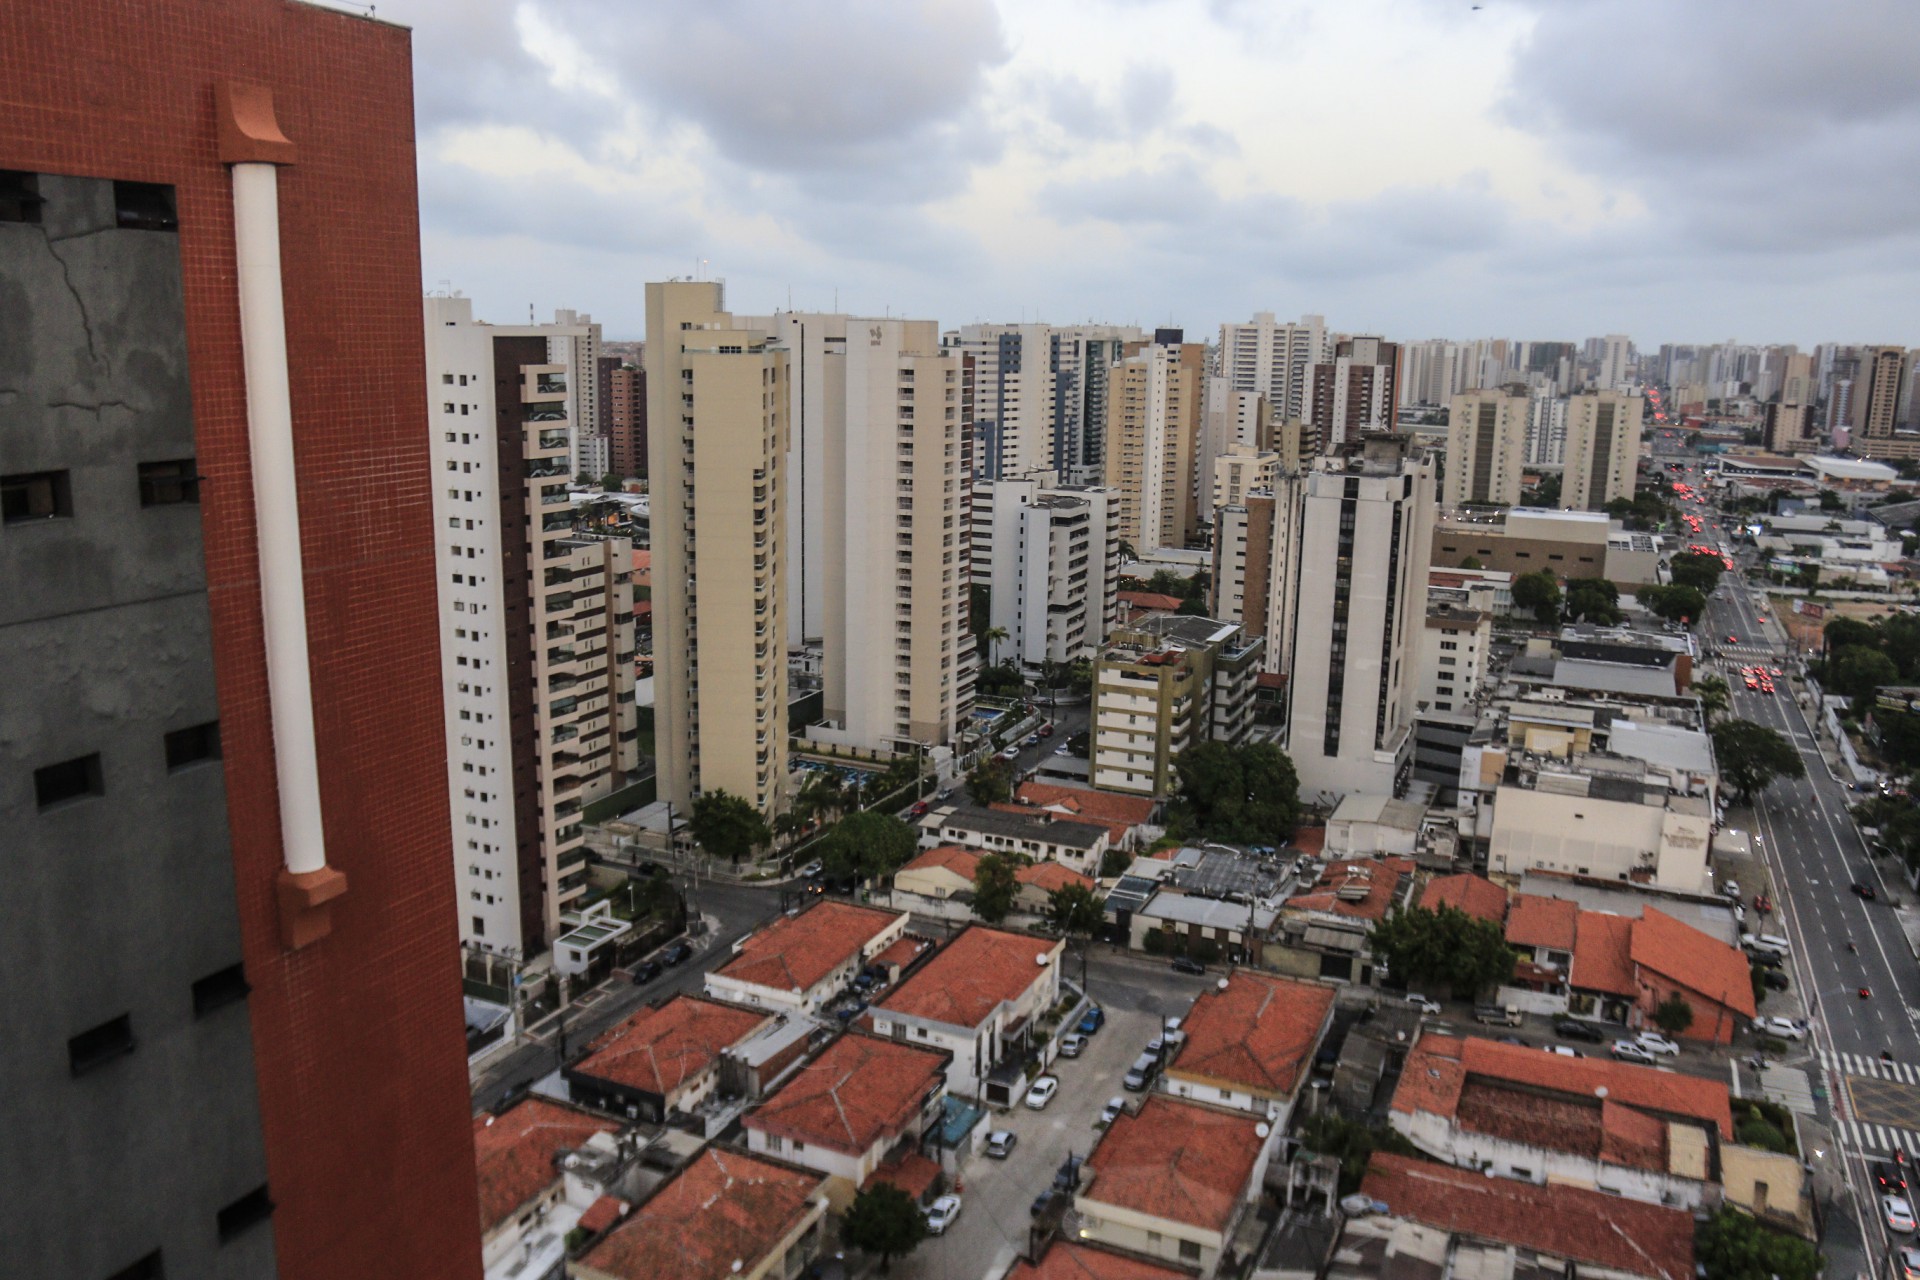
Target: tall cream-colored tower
[[1153, 427], [1603, 448], [1487, 446], [717, 444]]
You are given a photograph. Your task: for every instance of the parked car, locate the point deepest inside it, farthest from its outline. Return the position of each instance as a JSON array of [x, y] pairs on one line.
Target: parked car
[[1041, 1092], [1784, 1028], [1141, 1073], [1499, 1015], [1092, 1020], [1032, 740], [678, 953], [1908, 1263], [646, 971], [1072, 1045], [941, 1213], [1001, 1142], [1654, 1042], [1041, 1203], [1897, 1212], [1111, 1112], [1011, 753], [1771, 960], [1631, 1051], [1422, 1003], [1563, 1051], [1046, 730], [1187, 964], [919, 809], [1775, 980]]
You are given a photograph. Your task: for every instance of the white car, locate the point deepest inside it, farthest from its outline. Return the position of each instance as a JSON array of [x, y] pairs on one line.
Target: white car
[[1898, 1214], [1041, 1092], [1112, 1111], [941, 1213], [1654, 1042], [1784, 1028], [1631, 1051], [1422, 1003], [1072, 1045]]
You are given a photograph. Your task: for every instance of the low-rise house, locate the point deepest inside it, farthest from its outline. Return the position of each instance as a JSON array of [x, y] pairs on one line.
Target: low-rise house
[[527, 1206], [947, 873], [1173, 1180], [1542, 931], [663, 1059], [1072, 1260], [1511, 1111], [861, 1103], [1039, 834], [727, 1214], [1441, 1221], [1128, 819], [1248, 1042], [978, 998], [1366, 826], [800, 962], [1713, 979], [1323, 930], [1478, 896]]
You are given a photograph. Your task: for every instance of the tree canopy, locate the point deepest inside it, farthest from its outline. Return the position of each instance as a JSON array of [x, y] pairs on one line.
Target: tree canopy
[[885, 1220], [1538, 592], [867, 846], [1446, 947], [1675, 604], [1713, 694], [1751, 756], [1857, 672], [994, 888], [1673, 1015], [990, 782], [1731, 1245], [727, 826], [1697, 569], [1246, 794], [1594, 600]]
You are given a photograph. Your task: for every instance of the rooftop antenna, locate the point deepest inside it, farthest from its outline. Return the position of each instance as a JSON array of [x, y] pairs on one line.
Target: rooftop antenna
[[530, 313]]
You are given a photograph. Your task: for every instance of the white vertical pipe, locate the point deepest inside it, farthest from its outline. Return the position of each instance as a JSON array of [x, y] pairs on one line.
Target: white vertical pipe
[[283, 602]]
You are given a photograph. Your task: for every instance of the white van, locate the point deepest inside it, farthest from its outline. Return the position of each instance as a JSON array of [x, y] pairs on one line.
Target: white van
[[1766, 942]]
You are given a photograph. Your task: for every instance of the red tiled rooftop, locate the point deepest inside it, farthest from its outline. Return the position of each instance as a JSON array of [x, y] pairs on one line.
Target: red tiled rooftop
[[1583, 1226], [795, 952], [1070, 1260], [965, 863], [1310, 841], [902, 951], [601, 1214], [971, 976], [1534, 921], [724, 1207], [1150, 600], [1256, 1034], [962, 862], [861, 1090], [1119, 814], [1697, 961], [1048, 876], [1478, 896], [514, 1153], [658, 1050], [1178, 1161], [1381, 876], [1600, 954], [913, 1173]]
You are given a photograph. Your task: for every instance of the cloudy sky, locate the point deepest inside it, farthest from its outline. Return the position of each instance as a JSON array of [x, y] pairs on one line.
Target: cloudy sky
[[1420, 168]]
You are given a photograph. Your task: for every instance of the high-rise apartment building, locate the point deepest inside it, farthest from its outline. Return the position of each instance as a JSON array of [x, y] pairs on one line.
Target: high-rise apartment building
[[1487, 446], [590, 449], [717, 448], [1876, 402], [536, 626], [1039, 395], [1616, 359], [232, 1035], [1273, 359], [1161, 685], [1354, 392], [1230, 419], [1789, 428], [1153, 428], [627, 422], [1240, 471], [1049, 556], [1546, 428], [1603, 448]]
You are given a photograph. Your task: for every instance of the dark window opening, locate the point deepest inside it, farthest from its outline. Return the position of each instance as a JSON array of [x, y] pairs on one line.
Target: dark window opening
[[144, 206], [148, 1268], [218, 990], [20, 198], [100, 1045], [164, 484], [35, 495], [192, 745], [249, 1211], [73, 779]]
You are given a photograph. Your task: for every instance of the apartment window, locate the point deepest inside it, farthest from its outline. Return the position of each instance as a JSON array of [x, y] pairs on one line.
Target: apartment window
[[98, 1046], [193, 745], [147, 1268], [479, 927], [446, 379], [74, 779], [244, 1214], [219, 989], [35, 495], [169, 483], [144, 206], [446, 406], [1190, 1250]]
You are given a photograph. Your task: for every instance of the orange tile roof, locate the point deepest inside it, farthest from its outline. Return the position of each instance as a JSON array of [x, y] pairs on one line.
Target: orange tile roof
[[1582, 1226], [1600, 958], [913, 1173], [602, 1213], [1310, 840], [1178, 1161], [658, 1050], [795, 952], [1048, 876], [1439, 1066], [514, 1152], [1534, 921], [1382, 877], [725, 1206], [1120, 814], [902, 951], [971, 976], [862, 1090], [1149, 600], [965, 863], [1478, 896], [1688, 958], [1257, 1033], [1070, 1260]]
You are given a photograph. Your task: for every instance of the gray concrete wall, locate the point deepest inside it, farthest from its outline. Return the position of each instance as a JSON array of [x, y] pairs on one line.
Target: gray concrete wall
[[114, 904]]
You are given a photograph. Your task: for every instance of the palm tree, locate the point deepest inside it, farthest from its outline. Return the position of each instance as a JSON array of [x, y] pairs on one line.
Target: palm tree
[[1712, 692], [993, 636]]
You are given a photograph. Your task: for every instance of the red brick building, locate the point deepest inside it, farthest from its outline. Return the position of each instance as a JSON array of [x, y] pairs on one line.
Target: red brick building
[[304, 1111]]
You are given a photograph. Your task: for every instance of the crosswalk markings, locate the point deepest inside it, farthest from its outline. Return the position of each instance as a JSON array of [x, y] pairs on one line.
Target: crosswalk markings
[[1863, 1135], [1879, 1137], [1859, 1064]]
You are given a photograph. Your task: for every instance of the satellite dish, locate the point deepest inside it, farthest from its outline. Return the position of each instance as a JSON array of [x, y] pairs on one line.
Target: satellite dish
[[1262, 1129], [1600, 1091], [1220, 985], [1043, 959]]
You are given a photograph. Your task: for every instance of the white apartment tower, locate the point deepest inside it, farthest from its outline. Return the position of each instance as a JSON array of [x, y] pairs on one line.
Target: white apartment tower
[[1039, 395], [1049, 554], [1616, 355], [1274, 359], [1486, 446], [1546, 428], [1603, 448], [537, 639], [591, 446], [1230, 419], [717, 446]]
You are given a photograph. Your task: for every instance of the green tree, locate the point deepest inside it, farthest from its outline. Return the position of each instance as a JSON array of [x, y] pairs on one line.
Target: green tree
[[1444, 947], [994, 888], [1075, 912], [1848, 633], [1830, 501], [1675, 604], [1731, 1245], [1751, 756], [1353, 1143], [1472, 562], [1807, 577], [1673, 1015], [867, 846], [993, 636], [1698, 570], [1594, 600], [885, 1220], [1242, 794], [1858, 673], [1714, 696], [610, 482], [1538, 593], [727, 826], [990, 782]]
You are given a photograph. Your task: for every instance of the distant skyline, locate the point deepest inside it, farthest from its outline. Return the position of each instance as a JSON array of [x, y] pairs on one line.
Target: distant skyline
[[1545, 169]]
